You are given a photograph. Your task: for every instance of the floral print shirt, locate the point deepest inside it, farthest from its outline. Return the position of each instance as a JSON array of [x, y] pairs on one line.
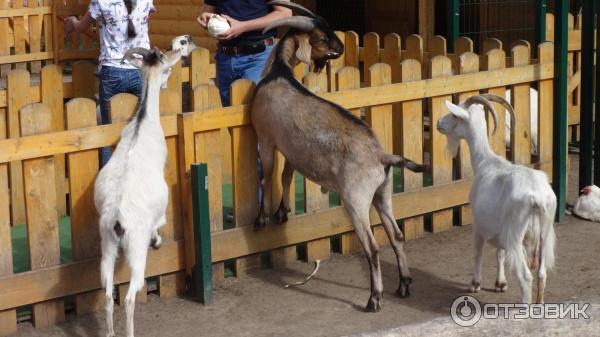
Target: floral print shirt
[[111, 16]]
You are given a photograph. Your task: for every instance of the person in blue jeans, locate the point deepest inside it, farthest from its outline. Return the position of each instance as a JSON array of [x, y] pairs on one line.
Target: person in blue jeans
[[242, 50], [123, 25]]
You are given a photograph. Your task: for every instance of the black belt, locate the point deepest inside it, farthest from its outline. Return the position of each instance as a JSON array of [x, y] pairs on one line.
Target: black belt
[[246, 49]]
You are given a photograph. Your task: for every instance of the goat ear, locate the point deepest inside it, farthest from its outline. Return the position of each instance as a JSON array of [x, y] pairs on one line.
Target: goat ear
[[304, 49], [457, 111]]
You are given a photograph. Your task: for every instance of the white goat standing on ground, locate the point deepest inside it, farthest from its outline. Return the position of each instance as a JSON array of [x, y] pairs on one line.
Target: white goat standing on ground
[[130, 193], [513, 206]]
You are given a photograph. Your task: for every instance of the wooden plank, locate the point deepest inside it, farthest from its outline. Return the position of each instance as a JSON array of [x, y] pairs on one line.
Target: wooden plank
[[35, 34], [411, 145], [208, 150], [380, 118], [414, 48], [334, 65], [199, 69], [17, 89], [437, 46], [51, 93], [18, 25], [83, 168], [171, 285], [490, 44], [6, 39], [545, 108], [521, 147], [441, 160], [42, 218], [244, 240], [122, 107], [176, 27], [8, 318], [245, 172], [371, 52], [174, 82], [76, 140], [348, 78], [82, 276], [468, 63], [175, 12], [351, 49], [186, 158], [496, 60], [314, 199]]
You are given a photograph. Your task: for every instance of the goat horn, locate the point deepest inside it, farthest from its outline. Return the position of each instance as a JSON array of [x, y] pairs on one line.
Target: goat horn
[[505, 103], [143, 52], [299, 22], [487, 105], [293, 6]]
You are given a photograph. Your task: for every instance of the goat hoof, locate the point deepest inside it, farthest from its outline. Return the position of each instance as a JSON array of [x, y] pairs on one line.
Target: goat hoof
[[156, 242], [404, 288], [374, 305], [280, 216], [260, 222], [475, 287], [501, 287]]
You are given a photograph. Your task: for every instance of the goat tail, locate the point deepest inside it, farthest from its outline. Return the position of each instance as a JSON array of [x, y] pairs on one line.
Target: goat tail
[[399, 161]]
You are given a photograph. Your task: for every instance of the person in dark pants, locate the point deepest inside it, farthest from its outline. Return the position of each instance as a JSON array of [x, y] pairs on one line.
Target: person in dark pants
[[243, 49], [123, 25]]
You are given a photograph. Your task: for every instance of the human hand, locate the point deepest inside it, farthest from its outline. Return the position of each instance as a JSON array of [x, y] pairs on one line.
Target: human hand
[[237, 28], [70, 23], [203, 19]]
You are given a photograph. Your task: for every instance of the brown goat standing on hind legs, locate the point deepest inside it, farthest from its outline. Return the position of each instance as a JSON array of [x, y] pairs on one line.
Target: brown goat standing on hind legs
[[324, 142]]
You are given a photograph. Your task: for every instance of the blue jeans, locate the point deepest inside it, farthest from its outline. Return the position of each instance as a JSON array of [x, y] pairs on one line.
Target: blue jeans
[[231, 68], [115, 81]]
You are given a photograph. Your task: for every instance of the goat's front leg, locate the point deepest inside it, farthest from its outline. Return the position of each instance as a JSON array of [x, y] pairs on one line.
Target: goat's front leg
[[478, 242], [500, 277], [286, 181], [266, 158]]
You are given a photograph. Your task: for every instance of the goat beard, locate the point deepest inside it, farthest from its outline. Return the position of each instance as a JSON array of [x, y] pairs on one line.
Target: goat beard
[[453, 145]]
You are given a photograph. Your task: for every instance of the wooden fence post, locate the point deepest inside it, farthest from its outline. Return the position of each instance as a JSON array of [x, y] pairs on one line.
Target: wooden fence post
[[83, 168], [5, 39], [496, 59], [18, 95], [19, 33], [351, 49], [380, 119], [441, 161], [335, 64], [314, 199], [208, 150], [468, 63], [545, 110], [170, 285], [51, 80], [411, 145], [84, 81], [521, 147], [370, 52], [199, 67], [35, 34], [40, 204], [348, 78], [245, 173]]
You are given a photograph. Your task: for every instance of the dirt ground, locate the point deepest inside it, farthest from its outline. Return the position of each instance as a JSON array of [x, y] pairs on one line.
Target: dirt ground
[[332, 303]]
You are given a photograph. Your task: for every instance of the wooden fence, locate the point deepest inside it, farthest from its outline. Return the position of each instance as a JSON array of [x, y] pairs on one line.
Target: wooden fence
[[400, 92]]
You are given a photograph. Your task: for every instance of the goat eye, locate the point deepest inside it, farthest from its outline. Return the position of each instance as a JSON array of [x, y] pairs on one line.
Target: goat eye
[[183, 42]]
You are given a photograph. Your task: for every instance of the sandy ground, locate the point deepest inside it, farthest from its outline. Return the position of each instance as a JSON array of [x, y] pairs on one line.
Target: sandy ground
[[332, 304]]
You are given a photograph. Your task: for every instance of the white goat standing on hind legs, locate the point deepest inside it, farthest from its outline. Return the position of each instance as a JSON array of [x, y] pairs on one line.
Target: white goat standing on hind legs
[[513, 206], [130, 193]]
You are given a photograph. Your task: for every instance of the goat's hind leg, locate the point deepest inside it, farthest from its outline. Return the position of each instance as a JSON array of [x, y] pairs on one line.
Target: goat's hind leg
[[280, 215], [136, 250], [501, 284], [383, 204], [266, 157], [107, 267], [156, 239], [478, 242], [359, 214]]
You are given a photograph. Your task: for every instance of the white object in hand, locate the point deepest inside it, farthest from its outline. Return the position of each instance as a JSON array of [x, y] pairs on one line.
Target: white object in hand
[[217, 25]]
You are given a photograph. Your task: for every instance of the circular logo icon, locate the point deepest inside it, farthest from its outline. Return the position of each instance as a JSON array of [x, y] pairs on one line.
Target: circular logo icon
[[465, 311]]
